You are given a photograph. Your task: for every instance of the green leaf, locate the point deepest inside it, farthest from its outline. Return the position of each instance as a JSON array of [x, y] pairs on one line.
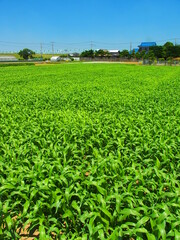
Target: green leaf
[[33, 193], [42, 232], [161, 218], [85, 237], [91, 225], [97, 228], [106, 212], [26, 206], [68, 214], [161, 228], [6, 207], [158, 164], [177, 235], [141, 230], [101, 234], [9, 222], [85, 216], [76, 207], [142, 221], [127, 211]]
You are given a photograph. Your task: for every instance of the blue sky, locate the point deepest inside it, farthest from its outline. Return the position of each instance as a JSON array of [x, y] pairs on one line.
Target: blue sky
[[73, 24]]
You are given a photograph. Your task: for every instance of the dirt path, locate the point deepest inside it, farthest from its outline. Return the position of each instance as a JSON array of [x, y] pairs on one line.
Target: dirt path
[[135, 63]]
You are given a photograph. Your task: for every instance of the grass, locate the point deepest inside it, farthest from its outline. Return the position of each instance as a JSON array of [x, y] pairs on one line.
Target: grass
[[15, 64], [90, 151]]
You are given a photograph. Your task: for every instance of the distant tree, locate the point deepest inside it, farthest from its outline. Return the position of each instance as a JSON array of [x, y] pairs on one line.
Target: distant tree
[[138, 55], [164, 52], [176, 51], [158, 51], [168, 44], [125, 54], [102, 53], [87, 53], [150, 56], [142, 54], [167, 49], [133, 54], [26, 53]]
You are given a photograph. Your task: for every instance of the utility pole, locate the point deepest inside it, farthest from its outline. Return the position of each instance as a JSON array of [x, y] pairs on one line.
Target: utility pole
[[175, 41], [130, 46], [52, 44], [41, 49], [91, 45]]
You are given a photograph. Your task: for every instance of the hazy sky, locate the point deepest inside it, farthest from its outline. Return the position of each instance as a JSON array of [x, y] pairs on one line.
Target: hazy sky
[[73, 24]]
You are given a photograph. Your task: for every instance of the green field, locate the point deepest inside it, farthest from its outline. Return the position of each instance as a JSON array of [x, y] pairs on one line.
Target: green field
[[90, 151]]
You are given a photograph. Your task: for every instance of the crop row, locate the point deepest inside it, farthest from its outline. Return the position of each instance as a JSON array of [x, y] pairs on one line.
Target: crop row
[[90, 152]]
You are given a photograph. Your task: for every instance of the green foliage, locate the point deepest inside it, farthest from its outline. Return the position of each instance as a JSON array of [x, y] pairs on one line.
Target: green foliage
[[16, 64], [90, 151], [168, 44], [102, 53], [133, 54], [137, 55], [143, 54], [150, 56], [26, 53], [125, 54], [166, 51], [88, 53], [169, 60], [158, 51]]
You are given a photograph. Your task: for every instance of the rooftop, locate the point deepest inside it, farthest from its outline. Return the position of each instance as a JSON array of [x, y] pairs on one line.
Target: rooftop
[[5, 56], [114, 51], [147, 44], [135, 50], [55, 57]]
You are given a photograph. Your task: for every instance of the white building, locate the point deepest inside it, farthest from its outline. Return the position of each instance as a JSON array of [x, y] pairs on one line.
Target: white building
[[76, 58], [114, 53], [55, 59], [4, 58], [66, 59]]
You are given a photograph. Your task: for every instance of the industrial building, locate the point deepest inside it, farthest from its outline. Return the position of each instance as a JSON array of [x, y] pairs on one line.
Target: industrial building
[[4, 58], [144, 46]]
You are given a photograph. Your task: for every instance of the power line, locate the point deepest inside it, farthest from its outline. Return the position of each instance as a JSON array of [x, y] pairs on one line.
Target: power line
[[92, 44], [82, 45], [75, 43], [87, 42]]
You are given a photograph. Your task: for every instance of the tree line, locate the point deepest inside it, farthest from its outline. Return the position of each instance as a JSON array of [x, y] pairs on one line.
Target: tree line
[[165, 52]]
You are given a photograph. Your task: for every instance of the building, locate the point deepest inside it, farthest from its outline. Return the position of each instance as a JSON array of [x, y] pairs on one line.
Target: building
[[146, 45], [75, 54], [76, 59], [135, 50], [4, 58], [55, 59], [114, 53], [67, 59]]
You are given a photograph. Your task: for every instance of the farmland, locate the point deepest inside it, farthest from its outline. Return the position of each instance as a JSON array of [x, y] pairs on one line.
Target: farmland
[[90, 151]]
